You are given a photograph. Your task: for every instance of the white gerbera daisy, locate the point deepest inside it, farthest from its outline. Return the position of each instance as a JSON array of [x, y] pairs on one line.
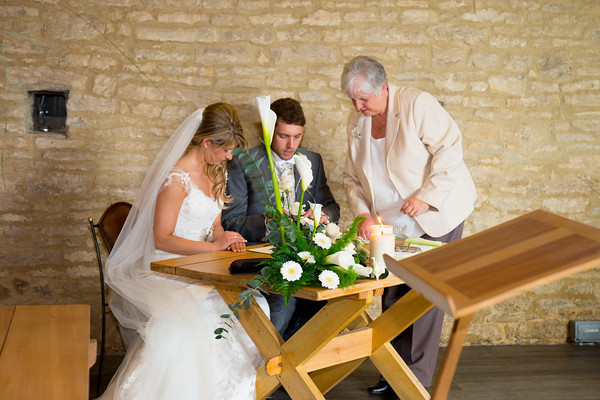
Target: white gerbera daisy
[[306, 256], [322, 240], [329, 279], [291, 271]]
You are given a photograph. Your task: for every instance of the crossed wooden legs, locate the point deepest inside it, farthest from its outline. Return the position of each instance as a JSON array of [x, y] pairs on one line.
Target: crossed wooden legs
[[318, 357]]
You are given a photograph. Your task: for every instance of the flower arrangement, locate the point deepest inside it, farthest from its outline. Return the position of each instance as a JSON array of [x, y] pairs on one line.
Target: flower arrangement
[[305, 252]]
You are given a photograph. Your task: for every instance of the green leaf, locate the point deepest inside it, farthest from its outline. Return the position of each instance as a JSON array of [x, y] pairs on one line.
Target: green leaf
[[239, 152]]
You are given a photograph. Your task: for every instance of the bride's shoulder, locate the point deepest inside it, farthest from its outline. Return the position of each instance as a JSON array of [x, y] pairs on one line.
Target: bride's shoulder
[[180, 177]]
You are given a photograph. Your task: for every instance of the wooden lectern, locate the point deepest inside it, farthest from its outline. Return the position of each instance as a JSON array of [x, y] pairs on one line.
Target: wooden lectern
[[491, 266]]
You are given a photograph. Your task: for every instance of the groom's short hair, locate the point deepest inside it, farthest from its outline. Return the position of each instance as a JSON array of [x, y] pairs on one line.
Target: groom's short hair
[[289, 111]]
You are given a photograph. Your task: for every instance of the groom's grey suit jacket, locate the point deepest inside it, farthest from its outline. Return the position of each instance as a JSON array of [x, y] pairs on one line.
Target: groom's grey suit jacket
[[245, 214]]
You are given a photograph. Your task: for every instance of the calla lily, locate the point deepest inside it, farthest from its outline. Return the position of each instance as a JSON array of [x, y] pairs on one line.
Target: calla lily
[[341, 258], [268, 118], [304, 167], [362, 270], [316, 210]]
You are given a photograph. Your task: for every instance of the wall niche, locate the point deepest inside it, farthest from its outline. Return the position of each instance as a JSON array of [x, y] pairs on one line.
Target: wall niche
[[49, 111]]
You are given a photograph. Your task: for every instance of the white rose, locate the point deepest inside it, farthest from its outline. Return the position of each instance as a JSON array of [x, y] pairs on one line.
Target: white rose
[[333, 230], [350, 248], [295, 208]]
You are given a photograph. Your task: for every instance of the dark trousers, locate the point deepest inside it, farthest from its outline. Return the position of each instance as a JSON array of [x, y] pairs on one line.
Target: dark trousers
[[418, 345]]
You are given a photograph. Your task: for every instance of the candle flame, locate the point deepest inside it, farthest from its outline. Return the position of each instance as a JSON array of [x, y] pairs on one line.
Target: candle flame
[[380, 224]]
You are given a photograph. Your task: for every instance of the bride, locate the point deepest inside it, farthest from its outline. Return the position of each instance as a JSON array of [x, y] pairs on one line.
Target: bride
[[173, 353]]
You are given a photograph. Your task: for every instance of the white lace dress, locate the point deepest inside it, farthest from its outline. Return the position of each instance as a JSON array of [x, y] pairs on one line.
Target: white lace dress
[[178, 356]]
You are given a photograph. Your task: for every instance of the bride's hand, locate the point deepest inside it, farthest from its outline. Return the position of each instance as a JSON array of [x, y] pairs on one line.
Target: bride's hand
[[231, 241]]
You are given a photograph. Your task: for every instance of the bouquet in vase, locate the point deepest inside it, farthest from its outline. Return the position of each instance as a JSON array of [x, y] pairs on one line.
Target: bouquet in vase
[[305, 252]]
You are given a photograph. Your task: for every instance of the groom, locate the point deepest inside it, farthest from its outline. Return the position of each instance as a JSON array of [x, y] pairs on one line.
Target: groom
[[245, 214]]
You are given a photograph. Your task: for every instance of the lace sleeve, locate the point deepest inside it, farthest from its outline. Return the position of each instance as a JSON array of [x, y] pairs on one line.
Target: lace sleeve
[[178, 177]]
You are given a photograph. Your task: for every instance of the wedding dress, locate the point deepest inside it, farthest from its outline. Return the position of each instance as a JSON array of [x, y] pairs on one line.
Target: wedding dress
[[176, 355]]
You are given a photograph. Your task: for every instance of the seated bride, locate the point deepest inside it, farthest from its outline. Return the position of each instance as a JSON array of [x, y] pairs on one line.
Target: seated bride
[[178, 212]]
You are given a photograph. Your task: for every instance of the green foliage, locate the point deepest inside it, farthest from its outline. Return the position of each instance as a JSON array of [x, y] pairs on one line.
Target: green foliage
[[290, 239]]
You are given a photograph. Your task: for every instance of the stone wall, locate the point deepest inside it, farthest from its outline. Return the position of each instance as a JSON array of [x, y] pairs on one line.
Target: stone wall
[[521, 78]]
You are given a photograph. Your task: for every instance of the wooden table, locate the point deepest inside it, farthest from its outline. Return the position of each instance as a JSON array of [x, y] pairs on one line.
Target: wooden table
[[45, 352], [494, 265], [318, 356]]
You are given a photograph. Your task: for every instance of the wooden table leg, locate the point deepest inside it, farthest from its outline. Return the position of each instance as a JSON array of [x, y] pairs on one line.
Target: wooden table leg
[[255, 322], [312, 337], [398, 374], [448, 367], [327, 378], [402, 314], [390, 324]]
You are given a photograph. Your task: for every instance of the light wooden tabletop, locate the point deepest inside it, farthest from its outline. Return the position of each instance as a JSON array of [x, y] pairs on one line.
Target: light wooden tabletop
[[44, 352], [213, 267], [501, 262]]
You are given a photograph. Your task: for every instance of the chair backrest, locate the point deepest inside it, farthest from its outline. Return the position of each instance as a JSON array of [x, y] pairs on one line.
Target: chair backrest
[[111, 222], [109, 226]]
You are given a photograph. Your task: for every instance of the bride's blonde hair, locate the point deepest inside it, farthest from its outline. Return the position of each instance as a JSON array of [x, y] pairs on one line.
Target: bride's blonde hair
[[221, 125]]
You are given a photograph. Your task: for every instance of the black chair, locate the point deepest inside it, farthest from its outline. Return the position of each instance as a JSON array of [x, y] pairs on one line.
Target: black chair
[[109, 225]]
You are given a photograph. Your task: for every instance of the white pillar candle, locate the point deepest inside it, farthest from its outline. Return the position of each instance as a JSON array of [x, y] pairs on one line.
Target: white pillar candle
[[381, 243], [380, 228]]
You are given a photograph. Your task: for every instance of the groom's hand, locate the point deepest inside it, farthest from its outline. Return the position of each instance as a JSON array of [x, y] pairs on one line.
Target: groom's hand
[[238, 247]]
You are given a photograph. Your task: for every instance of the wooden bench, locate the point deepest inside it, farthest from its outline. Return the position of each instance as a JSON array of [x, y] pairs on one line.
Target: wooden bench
[[46, 352]]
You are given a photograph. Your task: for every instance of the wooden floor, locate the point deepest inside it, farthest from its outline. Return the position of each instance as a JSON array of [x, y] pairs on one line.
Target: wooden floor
[[544, 372]]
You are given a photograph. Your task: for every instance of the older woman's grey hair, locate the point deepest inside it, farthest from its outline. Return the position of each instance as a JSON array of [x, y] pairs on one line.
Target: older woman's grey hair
[[363, 74]]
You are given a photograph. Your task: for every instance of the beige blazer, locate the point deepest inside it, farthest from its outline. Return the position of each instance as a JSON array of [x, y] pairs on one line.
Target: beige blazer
[[423, 154]]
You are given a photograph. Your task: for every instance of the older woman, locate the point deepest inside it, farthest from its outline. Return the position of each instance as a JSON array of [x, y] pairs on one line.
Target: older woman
[[405, 164]]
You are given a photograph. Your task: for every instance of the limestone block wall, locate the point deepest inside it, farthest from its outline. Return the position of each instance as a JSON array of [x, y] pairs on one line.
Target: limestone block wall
[[521, 78]]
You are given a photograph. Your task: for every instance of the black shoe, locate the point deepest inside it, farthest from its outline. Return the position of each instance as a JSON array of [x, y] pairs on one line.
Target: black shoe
[[381, 388]]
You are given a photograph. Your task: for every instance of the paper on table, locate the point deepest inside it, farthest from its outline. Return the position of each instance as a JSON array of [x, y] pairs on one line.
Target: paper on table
[[420, 248], [263, 250]]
